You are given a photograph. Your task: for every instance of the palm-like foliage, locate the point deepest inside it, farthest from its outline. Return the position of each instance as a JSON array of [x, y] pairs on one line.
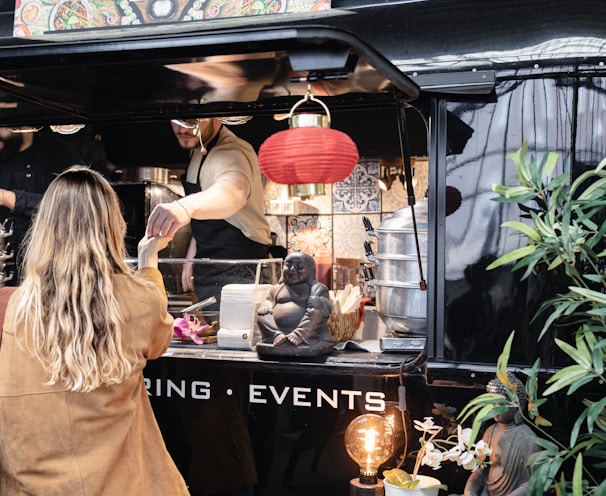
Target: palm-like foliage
[[567, 232]]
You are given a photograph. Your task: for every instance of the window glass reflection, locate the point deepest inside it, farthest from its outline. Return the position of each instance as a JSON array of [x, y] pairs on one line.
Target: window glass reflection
[[483, 307]]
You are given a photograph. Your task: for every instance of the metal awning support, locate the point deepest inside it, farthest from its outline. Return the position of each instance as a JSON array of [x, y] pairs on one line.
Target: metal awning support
[[404, 145]]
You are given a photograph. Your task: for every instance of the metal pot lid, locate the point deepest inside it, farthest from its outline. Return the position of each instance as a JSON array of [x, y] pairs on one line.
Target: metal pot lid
[[401, 220], [399, 258], [403, 285]]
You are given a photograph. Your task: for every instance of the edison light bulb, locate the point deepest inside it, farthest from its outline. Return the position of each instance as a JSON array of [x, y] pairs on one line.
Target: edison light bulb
[[369, 442]]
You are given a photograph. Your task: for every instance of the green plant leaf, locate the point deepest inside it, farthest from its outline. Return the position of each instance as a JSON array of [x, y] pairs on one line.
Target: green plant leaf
[[551, 449], [542, 475], [565, 377], [512, 256], [574, 432], [590, 294], [514, 192], [503, 360], [566, 236], [580, 354], [594, 412], [577, 476], [551, 160], [600, 489], [524, 228]]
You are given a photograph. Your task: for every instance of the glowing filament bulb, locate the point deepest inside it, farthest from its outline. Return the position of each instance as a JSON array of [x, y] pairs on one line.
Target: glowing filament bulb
[[369, 441]]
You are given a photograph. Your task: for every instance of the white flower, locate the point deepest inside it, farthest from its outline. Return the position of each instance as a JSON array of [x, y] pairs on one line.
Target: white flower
[[453, 454], [427, 426], [482, 449], [432, 457], [455, 448], [464, 435], [468, 461]]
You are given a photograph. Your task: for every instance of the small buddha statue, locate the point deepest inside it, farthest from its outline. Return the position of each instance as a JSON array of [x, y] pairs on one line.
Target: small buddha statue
[[293, 319], [511, 442]]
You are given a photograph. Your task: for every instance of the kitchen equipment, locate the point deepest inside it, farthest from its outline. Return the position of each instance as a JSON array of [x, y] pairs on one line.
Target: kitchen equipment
[[140, 190], [346, 272], [200, 305], [401, 263]]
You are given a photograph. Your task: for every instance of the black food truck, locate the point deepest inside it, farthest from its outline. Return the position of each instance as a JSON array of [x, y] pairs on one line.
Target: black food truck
[[462, 83]]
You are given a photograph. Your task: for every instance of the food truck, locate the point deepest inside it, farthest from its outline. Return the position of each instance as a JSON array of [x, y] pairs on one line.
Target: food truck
[[460, 84]]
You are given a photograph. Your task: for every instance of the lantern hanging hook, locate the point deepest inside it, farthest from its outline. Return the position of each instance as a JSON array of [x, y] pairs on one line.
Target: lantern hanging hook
[[309, 97], [308, 94]]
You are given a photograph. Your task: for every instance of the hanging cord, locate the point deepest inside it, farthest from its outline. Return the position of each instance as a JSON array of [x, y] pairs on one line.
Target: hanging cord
[[405, 367], [409, 187]]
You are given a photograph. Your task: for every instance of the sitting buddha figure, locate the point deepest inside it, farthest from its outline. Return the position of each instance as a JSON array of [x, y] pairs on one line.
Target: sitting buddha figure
[[511, 443], [293, 319]]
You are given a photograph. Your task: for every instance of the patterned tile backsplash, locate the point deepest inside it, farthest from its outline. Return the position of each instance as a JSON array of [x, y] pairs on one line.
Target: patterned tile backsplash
[[334, 220], [360, 192]]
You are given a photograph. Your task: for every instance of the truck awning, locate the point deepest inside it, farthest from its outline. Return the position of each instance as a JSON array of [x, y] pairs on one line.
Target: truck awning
[[227, 72]]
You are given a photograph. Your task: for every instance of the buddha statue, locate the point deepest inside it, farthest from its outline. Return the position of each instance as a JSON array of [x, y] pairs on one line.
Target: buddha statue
[[511, 442], [293, 319]]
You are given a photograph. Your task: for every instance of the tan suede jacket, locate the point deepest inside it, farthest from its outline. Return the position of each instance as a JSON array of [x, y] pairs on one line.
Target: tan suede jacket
[[54, 442]]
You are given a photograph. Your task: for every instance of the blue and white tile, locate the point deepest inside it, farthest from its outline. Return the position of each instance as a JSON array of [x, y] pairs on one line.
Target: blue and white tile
[[360, 191]]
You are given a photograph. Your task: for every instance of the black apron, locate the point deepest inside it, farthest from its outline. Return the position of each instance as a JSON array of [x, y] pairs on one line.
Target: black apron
[[218, 239], [228, 460]]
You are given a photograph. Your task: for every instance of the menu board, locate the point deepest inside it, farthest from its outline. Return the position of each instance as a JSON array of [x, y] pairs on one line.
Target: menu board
[[39, 17]]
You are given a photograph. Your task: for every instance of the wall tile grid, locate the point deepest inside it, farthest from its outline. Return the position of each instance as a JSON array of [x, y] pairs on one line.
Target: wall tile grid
[[333, 221]]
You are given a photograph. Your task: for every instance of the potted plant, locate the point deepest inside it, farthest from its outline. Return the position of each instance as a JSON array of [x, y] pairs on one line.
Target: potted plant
[[566, 233], [433, 452]]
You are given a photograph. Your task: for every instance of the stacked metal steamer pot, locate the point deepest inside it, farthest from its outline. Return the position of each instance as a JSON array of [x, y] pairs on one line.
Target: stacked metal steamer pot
[[401, 260]]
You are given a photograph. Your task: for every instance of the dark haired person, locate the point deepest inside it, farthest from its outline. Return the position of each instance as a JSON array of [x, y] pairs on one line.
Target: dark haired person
[[29, 160]]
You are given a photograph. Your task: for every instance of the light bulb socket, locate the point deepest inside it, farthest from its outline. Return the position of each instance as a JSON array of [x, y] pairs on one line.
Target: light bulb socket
[[368, 480], [356, 488]]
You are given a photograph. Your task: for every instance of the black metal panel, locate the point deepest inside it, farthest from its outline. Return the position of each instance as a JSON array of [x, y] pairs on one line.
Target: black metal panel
[[297, 433], [208, 73], [457, 35], [481, 308]]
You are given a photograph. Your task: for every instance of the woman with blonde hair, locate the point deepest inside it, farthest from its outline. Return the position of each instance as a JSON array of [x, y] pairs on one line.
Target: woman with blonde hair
[[75, 418]]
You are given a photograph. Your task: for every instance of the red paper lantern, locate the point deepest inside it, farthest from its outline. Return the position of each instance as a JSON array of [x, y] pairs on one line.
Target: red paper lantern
[[305, 155], [309, 152]]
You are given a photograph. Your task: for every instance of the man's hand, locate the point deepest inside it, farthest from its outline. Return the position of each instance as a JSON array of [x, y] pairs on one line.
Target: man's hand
[[166, 219], [187, 277]]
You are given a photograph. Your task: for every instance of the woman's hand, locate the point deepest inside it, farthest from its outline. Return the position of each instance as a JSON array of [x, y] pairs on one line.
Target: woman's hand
[[148, 249]]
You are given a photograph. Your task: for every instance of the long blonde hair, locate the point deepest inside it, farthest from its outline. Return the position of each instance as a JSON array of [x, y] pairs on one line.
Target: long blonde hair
[[67, 310]]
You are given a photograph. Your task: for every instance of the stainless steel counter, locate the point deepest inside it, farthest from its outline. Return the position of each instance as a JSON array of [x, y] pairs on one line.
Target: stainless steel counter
[[359, 356]]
